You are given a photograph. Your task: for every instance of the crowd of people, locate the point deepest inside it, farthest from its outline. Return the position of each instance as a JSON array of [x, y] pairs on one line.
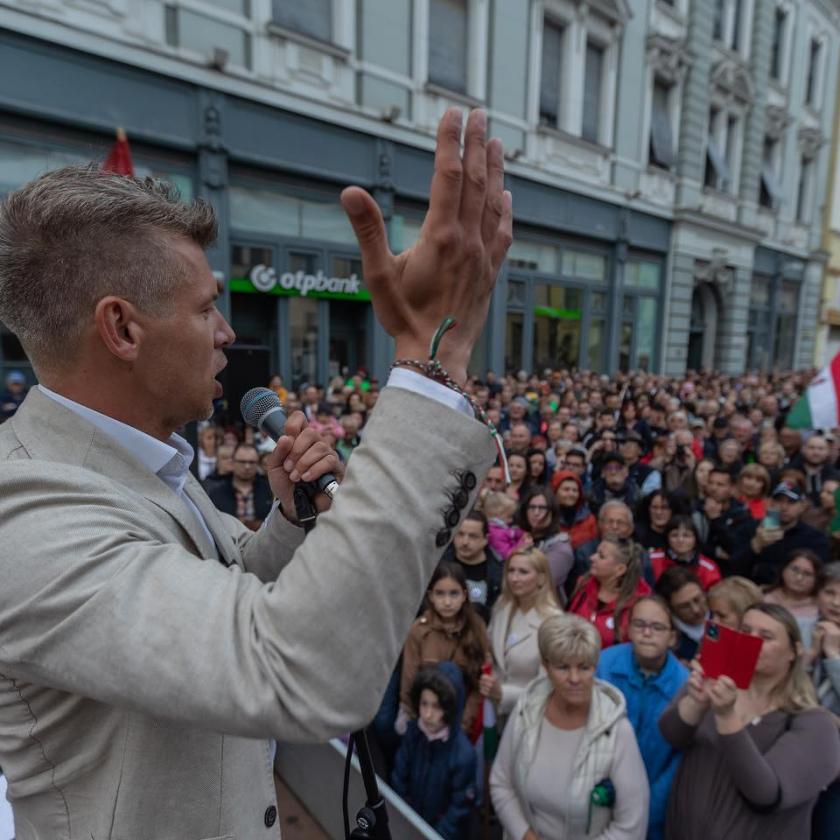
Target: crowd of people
[[574, 599], [570, 606]]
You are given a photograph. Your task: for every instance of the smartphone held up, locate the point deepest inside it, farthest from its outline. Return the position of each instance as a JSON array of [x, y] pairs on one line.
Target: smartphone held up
[[730, 653]]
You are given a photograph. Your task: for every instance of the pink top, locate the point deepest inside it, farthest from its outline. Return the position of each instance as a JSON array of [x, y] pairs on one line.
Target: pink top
[[798, 609]]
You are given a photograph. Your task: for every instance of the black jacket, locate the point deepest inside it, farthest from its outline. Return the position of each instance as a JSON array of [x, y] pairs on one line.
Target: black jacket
[[764, 567], [630, 494], [223, 496], [729, 533]]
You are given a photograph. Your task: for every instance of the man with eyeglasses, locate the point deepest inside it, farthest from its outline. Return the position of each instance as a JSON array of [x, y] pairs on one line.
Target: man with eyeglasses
[[245, 493], [649, 676]]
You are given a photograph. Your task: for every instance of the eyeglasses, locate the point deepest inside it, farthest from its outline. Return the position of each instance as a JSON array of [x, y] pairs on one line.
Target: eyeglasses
[[542, 508], [805, 573], [653, 626], [247, 463]]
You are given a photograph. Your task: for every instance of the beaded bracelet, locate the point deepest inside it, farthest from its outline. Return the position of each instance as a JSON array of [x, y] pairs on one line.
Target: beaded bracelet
[[434, 370]]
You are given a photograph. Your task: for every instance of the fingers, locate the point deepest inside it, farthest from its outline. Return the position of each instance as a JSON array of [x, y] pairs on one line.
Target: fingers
[[474, 188], [369, 227], [494, 201], [310, 457], [445, 192], [504, 234]]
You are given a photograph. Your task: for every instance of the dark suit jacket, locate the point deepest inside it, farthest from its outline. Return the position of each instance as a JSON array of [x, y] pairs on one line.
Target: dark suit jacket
[[223, 496]]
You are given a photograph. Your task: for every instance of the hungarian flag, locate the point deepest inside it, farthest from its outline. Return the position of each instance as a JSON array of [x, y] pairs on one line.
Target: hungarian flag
[[819, 406], [119, 158]]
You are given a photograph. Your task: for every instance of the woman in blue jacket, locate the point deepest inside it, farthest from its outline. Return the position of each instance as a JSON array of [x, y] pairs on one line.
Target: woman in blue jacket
[[648, 675], [435, 766]]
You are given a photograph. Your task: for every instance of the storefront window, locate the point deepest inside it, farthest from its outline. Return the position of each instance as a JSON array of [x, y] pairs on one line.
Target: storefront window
[[534, 256], [758, 326], [557, 326], [513, 341], [625, 346], [642, 274], [271, 212], [646, 332], [303, 338], [586, 266], [404, 232], [595, 345], [348, 324], [786, 306]]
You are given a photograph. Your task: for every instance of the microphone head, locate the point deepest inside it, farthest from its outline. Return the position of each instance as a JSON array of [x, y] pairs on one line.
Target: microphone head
[[256, 404]]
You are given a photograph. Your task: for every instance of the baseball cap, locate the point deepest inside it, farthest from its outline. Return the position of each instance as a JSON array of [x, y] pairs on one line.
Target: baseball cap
[[16, 376], [613, 458], [632, 436], [787, 489]]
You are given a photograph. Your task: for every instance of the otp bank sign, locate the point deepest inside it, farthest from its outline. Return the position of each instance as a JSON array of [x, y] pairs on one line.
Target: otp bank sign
[[264, 278]]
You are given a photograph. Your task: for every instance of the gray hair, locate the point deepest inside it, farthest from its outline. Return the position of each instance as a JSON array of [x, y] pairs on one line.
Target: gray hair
[[78, 234], [615, 504], [566, 639]]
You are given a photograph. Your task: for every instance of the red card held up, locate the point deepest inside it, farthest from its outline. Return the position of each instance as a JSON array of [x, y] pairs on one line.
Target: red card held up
[[727, 652]]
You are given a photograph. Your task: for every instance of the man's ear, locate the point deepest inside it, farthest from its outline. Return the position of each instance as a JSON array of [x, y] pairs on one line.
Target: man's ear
[[118, 327]]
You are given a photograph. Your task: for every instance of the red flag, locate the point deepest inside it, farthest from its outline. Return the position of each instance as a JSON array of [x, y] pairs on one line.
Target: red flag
[[119, 158]]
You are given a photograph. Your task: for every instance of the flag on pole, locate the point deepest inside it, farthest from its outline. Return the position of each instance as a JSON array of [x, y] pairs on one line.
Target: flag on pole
[[119, 158], [819, 406]]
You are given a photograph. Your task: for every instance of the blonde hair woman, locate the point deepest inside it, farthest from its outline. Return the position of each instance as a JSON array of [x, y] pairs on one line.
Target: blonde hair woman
[[568, 764], [759, 755], [527, 598]]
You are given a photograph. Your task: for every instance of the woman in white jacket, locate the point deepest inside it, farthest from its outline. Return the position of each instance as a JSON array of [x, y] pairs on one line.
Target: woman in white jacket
[[527, 599], [568, 765]]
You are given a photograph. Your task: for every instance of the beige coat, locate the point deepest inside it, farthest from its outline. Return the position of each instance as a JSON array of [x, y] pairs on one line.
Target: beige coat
[[516, 656], [139, 682]]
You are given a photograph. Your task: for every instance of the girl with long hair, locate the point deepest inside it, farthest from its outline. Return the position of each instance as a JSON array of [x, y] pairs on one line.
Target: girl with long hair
[[520, 475], [527, 599], [607, 592], [795, 588], [652, 518], [448, 630], [755, 759], [539, 519]]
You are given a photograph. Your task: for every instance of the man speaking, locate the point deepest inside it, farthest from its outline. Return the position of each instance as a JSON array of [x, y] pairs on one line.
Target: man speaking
[[151, 647]]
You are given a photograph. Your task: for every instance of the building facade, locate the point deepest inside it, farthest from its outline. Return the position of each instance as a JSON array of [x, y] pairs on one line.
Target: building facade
[[667, 160], [828, 331]]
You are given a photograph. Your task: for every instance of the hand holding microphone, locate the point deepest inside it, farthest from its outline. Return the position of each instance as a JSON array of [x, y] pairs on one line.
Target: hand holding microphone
[[300, 454]]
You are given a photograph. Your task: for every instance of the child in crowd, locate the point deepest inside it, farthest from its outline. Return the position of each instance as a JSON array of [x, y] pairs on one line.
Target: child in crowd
[[795, 588], [448, 630], [682, 541], [502, 535], [731, 598], [435, 766], [649, 676]]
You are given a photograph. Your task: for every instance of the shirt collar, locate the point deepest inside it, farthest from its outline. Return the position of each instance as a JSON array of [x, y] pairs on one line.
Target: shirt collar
[[169, 460]]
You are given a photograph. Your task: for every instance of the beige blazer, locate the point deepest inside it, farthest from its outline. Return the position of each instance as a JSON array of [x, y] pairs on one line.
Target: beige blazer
[[516, 656], [140, 683]]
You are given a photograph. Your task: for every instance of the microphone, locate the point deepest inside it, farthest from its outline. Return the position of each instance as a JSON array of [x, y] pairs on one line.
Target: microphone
[[261, 407]]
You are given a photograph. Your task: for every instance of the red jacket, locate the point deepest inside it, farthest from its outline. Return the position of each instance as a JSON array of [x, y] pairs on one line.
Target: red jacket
[[707, 570], [585, 603], [585, 527]]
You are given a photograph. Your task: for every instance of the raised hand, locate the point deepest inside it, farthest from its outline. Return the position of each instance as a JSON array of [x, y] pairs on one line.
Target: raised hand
[[452, 268]]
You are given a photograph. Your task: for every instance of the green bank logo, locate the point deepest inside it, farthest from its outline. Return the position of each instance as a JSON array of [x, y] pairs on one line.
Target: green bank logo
[[264, 278]]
